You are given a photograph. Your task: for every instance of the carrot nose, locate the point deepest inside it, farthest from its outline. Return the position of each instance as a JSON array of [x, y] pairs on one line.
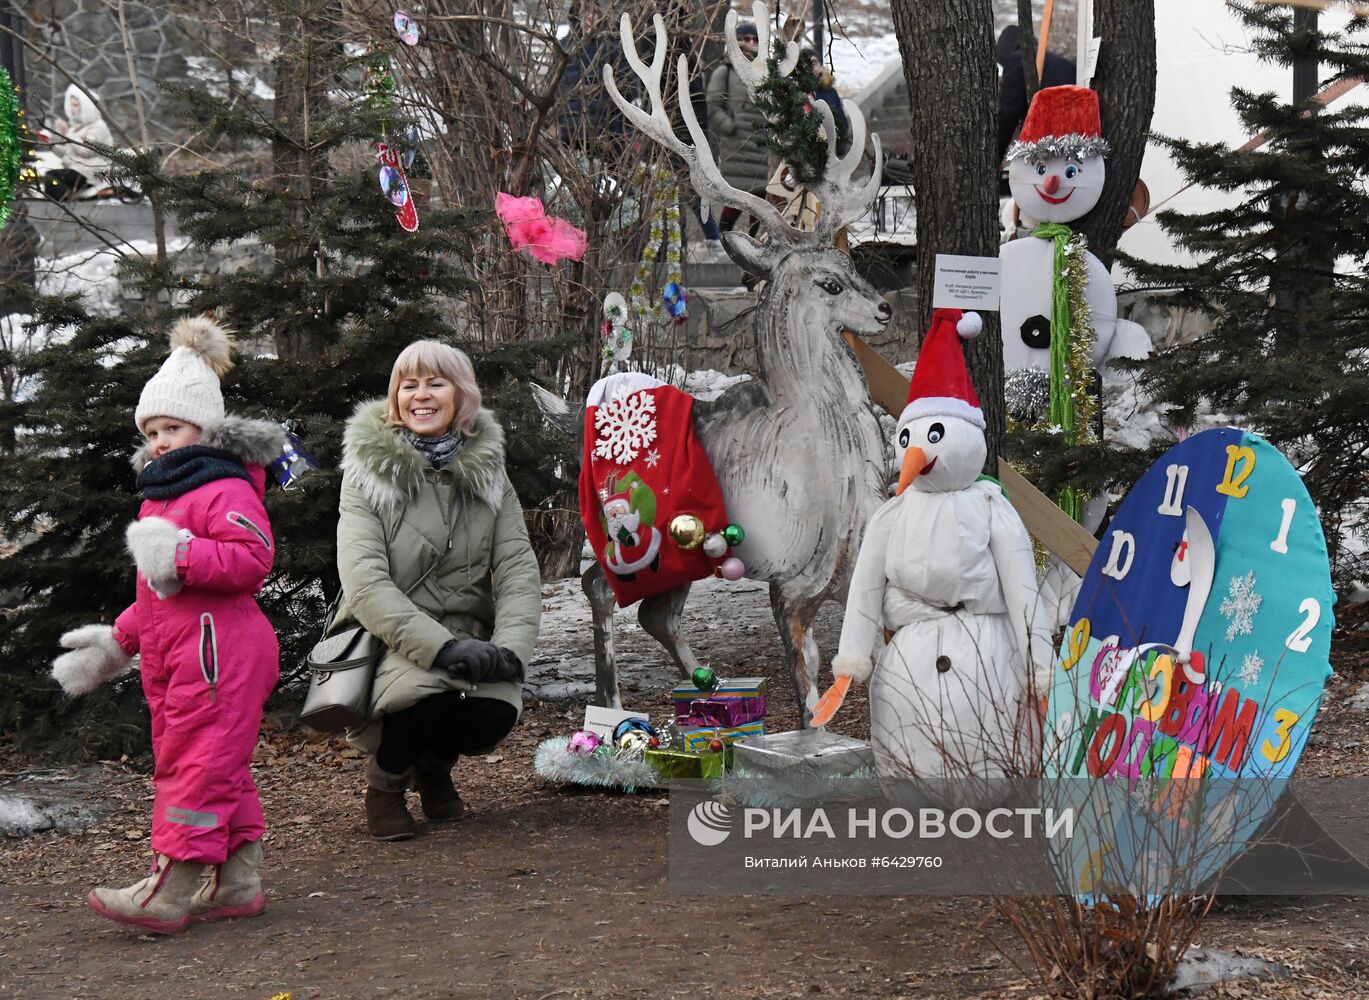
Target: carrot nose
[[914, 460], [1052, 184]]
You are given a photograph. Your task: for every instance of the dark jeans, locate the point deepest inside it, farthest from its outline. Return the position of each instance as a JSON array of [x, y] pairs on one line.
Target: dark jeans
[[441, 728]]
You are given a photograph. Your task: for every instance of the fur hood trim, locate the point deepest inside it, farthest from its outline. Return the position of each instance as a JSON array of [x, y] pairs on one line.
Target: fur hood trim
[[389, 471], [252, 442]]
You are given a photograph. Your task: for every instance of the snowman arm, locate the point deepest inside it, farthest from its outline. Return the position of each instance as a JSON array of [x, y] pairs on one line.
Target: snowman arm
[[1011, 547], [864, 618]]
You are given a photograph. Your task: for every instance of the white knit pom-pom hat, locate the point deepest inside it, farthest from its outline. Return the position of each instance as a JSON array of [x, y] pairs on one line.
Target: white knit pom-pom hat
[[186, 387]]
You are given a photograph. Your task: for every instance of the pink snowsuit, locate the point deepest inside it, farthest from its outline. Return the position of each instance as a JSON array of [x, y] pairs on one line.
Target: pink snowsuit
[[209, 661]]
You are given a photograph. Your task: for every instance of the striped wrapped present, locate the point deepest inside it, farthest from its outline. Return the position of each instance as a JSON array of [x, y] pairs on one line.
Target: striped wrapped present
[[696, 739]]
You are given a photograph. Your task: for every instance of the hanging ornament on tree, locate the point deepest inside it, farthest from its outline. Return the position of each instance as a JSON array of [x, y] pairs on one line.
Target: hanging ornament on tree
[[406, 27], [676, 302], [395, 186], [617, 336], [663, 239], [529, 228]]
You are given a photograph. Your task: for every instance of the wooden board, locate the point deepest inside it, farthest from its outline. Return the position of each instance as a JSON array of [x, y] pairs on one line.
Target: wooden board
[[1047, 523]]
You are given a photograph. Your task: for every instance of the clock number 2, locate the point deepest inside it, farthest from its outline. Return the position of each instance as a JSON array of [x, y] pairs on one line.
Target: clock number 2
[[1300, 641], [1286, 720], [1233, 482]]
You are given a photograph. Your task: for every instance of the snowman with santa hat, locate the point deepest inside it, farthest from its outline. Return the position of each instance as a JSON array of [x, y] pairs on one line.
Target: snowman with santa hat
[[946, 566]]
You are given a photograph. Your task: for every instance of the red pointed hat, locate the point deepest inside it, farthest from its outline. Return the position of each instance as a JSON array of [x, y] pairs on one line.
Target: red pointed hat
[[941, 383], [1062, 121]]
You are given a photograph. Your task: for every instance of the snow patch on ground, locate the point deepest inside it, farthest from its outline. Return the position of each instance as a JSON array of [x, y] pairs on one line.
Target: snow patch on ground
[[94, 274], [67, 799]]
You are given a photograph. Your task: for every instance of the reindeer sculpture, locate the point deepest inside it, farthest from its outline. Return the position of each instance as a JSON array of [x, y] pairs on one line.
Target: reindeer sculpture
[[798, 450]]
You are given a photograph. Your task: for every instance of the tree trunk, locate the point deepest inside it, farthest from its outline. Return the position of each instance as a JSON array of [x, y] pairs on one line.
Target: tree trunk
[[1125, 82], [948, 62]]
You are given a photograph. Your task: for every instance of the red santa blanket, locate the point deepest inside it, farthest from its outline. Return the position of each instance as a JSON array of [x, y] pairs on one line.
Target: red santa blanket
[[644, 471]]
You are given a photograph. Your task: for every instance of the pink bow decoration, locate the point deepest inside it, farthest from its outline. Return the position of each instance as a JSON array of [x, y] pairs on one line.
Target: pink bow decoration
[[529, 228]]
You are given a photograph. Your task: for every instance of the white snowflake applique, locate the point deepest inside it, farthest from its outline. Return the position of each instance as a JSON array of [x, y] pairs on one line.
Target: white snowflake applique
[[652, 457], [624, 426], [1240, 606], [1251, 666]]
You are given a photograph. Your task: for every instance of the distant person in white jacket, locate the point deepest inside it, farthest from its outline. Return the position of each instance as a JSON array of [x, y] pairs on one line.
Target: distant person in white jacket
[[85, 170]]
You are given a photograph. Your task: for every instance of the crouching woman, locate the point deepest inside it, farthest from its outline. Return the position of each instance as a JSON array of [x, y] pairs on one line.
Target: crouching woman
[[435, 562]]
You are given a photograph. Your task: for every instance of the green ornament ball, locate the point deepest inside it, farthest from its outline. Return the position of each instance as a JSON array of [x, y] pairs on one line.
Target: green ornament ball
[[734, 534], [705, 679]]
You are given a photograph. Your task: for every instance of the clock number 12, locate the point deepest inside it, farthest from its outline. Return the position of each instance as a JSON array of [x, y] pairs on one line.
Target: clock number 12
[[1233, 482]]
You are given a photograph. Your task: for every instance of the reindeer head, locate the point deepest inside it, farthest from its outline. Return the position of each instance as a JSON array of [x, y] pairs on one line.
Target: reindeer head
[[830, 294], [841, 201]]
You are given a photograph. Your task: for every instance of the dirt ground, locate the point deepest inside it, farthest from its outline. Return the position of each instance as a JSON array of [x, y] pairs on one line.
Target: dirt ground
[[545, 891]]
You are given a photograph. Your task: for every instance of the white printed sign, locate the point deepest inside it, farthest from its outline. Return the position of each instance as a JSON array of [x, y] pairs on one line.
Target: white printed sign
[[600, 721], [965, 283]]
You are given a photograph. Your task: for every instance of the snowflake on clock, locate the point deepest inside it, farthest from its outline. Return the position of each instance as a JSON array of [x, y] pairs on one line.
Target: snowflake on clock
[[1251, 666], [1240, 606], [624, 426]]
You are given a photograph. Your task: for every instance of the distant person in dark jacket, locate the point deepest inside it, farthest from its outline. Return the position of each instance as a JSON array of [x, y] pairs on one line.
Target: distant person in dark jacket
[[590, 113], [827, 91], [1012, 85]]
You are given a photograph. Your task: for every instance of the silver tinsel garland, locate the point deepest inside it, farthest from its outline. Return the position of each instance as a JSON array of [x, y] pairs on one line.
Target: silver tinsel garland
[[1027, 393], [555, 762], [1077, 147]]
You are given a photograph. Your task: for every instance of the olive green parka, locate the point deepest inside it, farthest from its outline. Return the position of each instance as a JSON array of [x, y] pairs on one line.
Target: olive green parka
[[395, 518]]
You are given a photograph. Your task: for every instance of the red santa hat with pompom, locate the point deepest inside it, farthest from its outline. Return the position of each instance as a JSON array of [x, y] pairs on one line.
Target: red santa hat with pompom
[[1062, 121], [941, 385]]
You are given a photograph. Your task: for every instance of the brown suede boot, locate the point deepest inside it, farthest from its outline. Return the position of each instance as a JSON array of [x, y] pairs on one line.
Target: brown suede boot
[[159, 903], [387, 817], [233, 888], [440, 800]]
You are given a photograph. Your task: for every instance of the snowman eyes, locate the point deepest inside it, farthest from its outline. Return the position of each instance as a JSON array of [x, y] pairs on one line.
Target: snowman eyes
[[1040, 170], [903, 438], [1072, 170], [935, 433]]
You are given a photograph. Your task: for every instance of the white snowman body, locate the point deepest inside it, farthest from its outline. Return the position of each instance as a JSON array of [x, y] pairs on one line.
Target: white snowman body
[[947, 567]]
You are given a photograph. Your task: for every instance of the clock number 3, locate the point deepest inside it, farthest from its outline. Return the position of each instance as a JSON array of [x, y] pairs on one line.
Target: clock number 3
[[1286, 721], [1300, 641], [1233, 482]]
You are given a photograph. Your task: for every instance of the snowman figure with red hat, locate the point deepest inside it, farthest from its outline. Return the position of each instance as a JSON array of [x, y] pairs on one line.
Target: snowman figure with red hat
[[1056, 173], [946, 566]]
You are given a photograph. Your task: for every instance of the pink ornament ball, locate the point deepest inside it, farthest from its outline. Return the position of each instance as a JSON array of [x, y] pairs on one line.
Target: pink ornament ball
[[582, 741], [732, 568]]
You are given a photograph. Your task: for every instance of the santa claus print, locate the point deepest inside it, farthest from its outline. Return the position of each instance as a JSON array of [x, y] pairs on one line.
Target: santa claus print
[[628, 520]]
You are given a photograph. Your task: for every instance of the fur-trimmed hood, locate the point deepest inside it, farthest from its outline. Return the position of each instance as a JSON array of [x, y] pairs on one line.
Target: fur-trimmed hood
[[388, 470], [252, 442]]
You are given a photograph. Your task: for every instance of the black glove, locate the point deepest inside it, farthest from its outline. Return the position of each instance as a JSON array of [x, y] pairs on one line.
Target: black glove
[[478, 661]]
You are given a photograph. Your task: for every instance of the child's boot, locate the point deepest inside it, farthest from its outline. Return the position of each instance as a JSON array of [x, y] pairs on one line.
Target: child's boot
[[387, 815], [159, 903], [233, 888]]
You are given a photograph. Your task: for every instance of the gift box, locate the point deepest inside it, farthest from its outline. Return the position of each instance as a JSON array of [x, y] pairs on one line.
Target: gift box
[[672, 764], [738, 688], [804, 753], [699, 738], [720, 712]]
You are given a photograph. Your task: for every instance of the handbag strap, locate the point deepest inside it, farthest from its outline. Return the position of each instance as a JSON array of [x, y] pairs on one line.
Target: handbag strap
[[451, 532]]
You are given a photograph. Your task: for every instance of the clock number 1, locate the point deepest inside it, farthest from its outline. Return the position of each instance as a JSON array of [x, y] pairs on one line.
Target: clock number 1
[[1300, 641], [1176, 477], [1233, 482], [1280, 544]]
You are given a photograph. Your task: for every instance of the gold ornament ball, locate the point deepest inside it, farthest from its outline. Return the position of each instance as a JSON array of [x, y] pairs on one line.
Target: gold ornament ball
[[687, 531], [634, 741]]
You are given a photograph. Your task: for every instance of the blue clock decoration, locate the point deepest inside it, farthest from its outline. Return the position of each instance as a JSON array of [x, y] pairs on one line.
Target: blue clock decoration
[[1193, 664]]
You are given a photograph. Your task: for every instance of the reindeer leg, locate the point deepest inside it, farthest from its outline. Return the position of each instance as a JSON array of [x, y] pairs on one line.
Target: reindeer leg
[[601, 603], [660, 617], [794, 618]]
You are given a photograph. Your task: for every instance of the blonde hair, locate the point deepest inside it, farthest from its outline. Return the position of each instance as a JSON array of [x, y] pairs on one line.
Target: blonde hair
[[432, 357]]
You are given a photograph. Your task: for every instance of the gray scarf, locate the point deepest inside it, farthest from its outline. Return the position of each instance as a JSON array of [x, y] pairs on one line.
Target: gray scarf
[[438, 450]]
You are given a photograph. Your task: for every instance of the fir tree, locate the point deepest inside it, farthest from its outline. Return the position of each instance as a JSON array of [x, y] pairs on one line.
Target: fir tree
[[340, 290], [793, 127], [1282, 277]]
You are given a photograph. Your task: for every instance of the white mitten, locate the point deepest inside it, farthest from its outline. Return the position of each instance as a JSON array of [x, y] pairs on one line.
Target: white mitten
[[94, 658], [153, 542]]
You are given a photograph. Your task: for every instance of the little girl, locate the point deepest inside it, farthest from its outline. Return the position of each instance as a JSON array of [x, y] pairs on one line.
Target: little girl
[[203, 547]]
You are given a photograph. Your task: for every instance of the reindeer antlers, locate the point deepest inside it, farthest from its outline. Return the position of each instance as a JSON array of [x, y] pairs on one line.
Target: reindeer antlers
[[840, 203]]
